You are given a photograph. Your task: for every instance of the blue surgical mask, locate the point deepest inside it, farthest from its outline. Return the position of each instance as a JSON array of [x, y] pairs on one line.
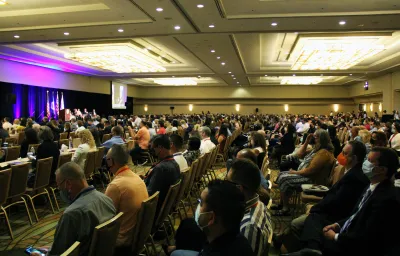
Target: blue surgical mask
[[197, 215], [367, 168]]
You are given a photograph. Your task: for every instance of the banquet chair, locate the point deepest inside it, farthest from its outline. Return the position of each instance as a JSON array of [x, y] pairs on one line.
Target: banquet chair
[[21, 137], [144, 223], [42, 179], [189, 190], [90, 164], [13, 153], [11, 141], [76, 142], [72, 135], [62, 159], [179, 204], [17, 188], [64, 136], [73, 250], [5, 180], [105, 236], [63, 142], [106, 137]]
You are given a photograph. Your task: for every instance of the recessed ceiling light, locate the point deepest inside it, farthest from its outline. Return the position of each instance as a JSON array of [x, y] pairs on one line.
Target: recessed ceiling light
[[173, 76], [159, 9], [16, 36], [232, 75], [177, 27], [218, 57], [198, 76], [342, 22], [274, 24], [211, 26], [351, 74], [230, 72], [237, 82], [212, 51], [266, 75], [222, 63], [66, 33], [200, 6], [173, 62], [120, 30], [294, 74], [234, 78]]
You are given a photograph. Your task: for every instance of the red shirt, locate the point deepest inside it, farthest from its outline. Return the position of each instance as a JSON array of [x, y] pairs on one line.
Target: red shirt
[[161, 130]]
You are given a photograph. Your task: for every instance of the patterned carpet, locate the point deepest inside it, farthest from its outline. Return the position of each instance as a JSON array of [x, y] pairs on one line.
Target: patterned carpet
[[42, 233]]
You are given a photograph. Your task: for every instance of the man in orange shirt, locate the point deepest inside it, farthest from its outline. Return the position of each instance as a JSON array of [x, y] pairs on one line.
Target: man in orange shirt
[[142, 139], [127, 191]]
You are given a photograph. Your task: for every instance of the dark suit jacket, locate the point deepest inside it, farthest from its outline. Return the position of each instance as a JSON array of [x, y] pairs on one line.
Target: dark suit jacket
[[343, 196], [373, 230], [48, 149], [107, 130]]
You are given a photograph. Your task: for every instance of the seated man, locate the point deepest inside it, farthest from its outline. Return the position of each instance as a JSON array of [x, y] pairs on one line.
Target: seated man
[[193, 151], [164, 173], [336, 205], [206, 144], [365, 232], [256, 224], [116, 138], [87, 209], [127, 190], [176, 150], [142, 139], [219, 215]]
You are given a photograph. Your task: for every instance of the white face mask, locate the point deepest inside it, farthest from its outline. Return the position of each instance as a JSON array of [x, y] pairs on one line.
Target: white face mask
[[197, 215]]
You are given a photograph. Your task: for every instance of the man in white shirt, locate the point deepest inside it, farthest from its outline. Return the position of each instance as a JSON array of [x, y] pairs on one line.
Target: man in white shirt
[[299, 124], [176, 150], [6, 124], [206, 143], [305, 127], [137, 121]]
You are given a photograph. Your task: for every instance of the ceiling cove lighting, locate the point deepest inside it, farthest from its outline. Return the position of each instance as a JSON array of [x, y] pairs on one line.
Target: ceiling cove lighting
[[306, 80], [126, 57], [334, 53], [176, 81], [3, 2]]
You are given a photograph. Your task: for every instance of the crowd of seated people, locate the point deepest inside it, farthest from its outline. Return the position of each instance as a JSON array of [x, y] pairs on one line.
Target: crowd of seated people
[[233, 217]]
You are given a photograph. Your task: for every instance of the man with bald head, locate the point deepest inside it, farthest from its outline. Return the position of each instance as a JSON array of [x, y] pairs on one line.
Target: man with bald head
[[87, 209], [248, 153]]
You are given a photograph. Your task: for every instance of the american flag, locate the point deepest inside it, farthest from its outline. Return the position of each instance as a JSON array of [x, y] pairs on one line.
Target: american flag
[[52, 105], [57, 111], [62, 101], [48, 105]]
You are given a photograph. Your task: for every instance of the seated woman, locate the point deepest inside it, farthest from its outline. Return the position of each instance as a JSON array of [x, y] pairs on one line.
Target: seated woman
[[67, 128], [87, 144], [259, 146], [286, 145], [31, 137], [366, 139], [335, 140], [53, 124], [193, 151], [221, 138], [315, 169]]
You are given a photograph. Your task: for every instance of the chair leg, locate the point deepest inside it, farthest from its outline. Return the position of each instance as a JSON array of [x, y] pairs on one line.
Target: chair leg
[[27, 211], [166, 233], [8, 223], [153, 244], [55, 198], [51, 204], [184, 208], [172, 225], [33, 207]]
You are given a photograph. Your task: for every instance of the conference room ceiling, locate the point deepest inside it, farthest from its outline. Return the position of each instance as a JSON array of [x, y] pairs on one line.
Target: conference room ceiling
[[218, 43]]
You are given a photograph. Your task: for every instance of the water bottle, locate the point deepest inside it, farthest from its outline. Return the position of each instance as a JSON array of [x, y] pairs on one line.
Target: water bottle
[[32, 151], [70, 142]]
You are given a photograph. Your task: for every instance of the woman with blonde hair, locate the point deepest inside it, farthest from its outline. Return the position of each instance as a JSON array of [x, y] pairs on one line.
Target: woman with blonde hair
[[366, 139], [87, 144]]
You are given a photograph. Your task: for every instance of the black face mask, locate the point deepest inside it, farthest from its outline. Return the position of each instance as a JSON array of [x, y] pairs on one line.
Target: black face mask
[[373, 141]]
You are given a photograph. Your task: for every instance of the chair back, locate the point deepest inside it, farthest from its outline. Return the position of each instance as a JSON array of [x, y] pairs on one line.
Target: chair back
[[64, 158], [43, 172], [13, 153], [5, 182], [89, 164], [144, 223], [105, 236], [63, 142], [64, 136], [185, 177], [194, 167], [73, 250], [21, 137], [76, 142], [19, 179], [264, 166], [167, 204], [106, 137], [99, 157], [130, 144], [337, 174], [72, 135], [10, 141], [202, 159], [34, 146]]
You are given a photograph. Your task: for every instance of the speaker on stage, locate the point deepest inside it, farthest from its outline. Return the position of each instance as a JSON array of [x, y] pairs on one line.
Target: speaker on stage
[[65, 115]]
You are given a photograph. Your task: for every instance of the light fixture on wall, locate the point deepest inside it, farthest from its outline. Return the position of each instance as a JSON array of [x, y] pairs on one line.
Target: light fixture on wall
[[366, 85], [286, 107], [336, 107], [146, 108], [190, 107], [365, 107], [371, 107], [237, 107], [380, 107]]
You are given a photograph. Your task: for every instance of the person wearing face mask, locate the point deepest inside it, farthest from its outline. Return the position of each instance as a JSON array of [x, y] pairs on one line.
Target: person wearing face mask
[[306, 230], [394, 140], [365, 231], [127, 191], [86, 209], [165, 172], [219, 214]]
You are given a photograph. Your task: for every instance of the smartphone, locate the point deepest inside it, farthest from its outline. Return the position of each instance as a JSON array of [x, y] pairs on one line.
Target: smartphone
[[30, 250]]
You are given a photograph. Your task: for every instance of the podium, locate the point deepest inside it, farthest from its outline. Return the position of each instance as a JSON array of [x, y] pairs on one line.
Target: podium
[[65, 115]]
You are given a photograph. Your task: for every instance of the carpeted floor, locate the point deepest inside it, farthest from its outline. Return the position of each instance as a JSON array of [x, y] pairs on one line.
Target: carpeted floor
[[42, 233]]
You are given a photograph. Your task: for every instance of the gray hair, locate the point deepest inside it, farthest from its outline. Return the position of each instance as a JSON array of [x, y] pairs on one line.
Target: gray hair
[[206, 130], [71, 171], [324, 140], [119, 154], [45, 133]]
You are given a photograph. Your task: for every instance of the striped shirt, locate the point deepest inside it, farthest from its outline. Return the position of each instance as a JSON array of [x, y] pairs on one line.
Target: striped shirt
[[256, 225]]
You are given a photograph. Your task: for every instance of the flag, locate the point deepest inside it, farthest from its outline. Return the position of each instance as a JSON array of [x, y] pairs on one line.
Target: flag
[[62, 101], [57, 111], [48, 105], [53, 112]]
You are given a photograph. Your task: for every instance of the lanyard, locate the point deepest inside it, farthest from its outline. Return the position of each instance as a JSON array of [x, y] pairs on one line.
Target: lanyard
[[390, 141], [121, 170]]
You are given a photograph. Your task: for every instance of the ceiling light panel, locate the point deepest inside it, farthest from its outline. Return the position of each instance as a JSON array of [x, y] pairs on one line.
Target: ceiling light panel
[[305, 80], [333, 53], [176, 81]]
